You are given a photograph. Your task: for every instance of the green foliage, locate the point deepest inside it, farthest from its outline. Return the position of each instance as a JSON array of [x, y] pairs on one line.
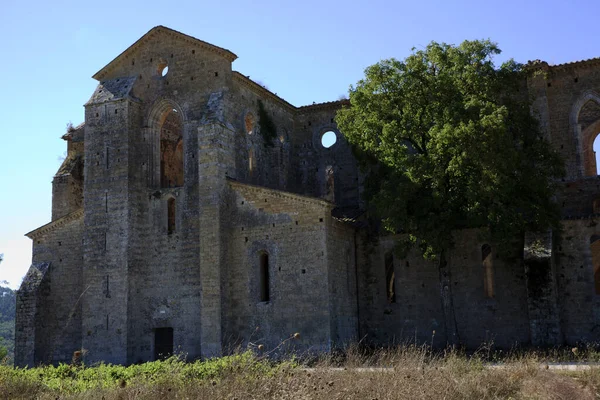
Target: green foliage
[[450, 143], [3, 350], [7, 321], [71, 379], [267, 127]]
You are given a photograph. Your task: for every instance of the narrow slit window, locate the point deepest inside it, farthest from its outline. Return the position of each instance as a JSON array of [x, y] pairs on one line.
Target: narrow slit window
[[329, 183], [251, 162], [249, 123], [390, 278], [264, 277], [488, 270], [171, 216]]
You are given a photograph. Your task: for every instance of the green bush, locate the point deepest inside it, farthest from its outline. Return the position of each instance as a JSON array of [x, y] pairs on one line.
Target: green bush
[[71, 379]]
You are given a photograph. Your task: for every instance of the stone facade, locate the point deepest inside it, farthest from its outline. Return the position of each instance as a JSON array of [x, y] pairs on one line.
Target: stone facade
[[181, 222]]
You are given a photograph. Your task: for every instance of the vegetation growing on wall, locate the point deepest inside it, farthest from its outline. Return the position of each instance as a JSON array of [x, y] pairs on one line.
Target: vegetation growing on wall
[[267, 127]]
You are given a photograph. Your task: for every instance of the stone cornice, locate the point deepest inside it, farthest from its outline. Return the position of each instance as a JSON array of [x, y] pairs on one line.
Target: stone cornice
[[249, 83], [280, 193], [324, 106], [55, 224], [543, 65], [592, 62], [157, 30]]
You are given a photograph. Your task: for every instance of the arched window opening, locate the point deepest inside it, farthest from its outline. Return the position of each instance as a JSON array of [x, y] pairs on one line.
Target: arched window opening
[[390, 278], [249, 123], [595, 249], [171, 216], [264, 277], [588, 121], [596, 154], [171, 151], [329, 183], [251, 162], [488, 270]]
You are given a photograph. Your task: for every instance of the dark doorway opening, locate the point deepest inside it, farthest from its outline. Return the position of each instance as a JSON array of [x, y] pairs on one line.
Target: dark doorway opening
[[163, 343]]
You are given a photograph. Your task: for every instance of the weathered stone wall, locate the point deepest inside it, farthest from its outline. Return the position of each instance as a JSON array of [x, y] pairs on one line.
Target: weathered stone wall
[[292, 230], [580, 198], [270, 161], [48, 325], [107, 222], [417, 312], [310, 159], [578, 302], [342, 290], [67, 185], [560, 93]]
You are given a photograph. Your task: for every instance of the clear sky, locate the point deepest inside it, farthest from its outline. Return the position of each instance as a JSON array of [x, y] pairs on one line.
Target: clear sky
[[305, 51]]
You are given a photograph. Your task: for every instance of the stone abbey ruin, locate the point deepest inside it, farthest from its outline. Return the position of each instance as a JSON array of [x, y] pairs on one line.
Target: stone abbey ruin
[[197, 211]]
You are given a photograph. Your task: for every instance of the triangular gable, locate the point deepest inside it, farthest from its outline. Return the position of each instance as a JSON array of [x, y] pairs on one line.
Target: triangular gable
[[256, 193], [161, 30], [50, 226]]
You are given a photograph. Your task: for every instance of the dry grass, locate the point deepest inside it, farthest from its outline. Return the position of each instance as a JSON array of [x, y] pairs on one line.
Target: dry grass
[[406, 372]]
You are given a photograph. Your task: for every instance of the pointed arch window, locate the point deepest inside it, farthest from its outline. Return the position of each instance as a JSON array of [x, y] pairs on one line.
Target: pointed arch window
[[171, 150]]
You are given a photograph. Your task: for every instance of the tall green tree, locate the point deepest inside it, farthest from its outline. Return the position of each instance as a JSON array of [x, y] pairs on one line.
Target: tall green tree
[[450, 143], [7, 319]]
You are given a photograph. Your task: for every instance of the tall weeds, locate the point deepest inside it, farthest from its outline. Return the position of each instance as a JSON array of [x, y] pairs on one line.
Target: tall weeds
[[404, 372]]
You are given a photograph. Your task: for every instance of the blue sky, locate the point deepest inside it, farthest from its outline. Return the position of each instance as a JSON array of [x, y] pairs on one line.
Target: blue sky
[[309, 51]]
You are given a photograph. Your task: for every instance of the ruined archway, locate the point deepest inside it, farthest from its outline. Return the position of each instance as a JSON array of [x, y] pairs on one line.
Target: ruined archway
[[166, 126], [589, 123], [171, 150], [585, 118]]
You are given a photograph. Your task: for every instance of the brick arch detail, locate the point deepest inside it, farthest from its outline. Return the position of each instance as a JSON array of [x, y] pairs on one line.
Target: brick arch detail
[[586, 162], [153, 123], [589, 155]]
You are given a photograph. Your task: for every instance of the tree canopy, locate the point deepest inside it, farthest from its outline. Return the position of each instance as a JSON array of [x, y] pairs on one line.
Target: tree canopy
[[7, 319], [450, 143]]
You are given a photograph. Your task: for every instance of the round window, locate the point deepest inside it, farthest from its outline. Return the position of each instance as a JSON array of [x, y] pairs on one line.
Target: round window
[[328, 139]]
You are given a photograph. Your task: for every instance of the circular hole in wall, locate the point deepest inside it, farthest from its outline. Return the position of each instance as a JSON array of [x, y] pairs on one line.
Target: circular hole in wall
[[163, 68], [328, 139]]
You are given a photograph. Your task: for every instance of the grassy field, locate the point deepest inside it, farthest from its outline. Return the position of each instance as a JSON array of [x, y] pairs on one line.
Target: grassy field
[[405, 372]]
